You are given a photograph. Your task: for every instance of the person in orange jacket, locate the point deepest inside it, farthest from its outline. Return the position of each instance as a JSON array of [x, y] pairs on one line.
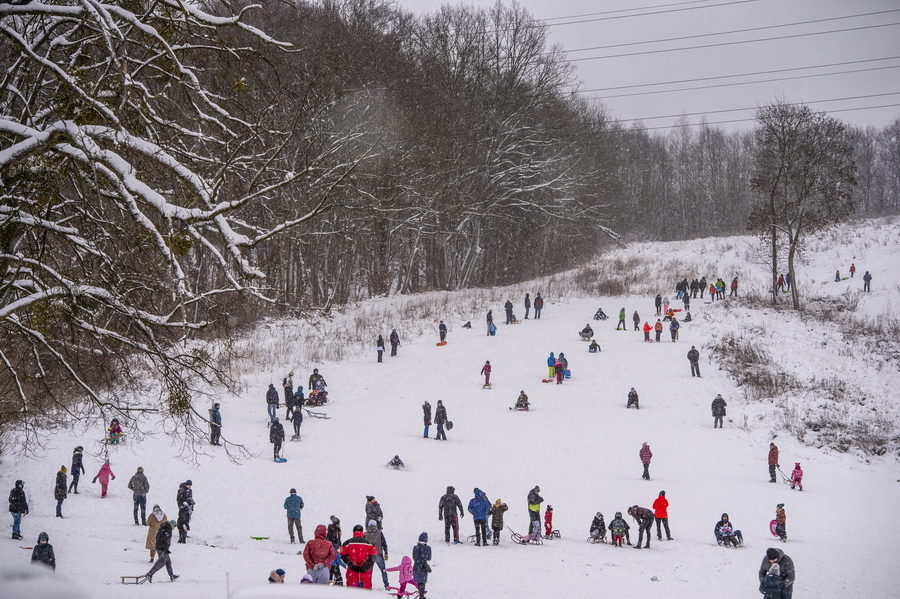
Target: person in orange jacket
[[647, 329], [661, 511], [658, 327]]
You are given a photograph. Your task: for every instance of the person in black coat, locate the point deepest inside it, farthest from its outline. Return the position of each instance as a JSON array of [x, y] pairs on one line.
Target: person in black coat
[[527, 305], [379, 347], [271, 401], [276, 436], [77, 468], [426, 408], [163, 543], [447, 507], [18, 507], [440, 419], [490, 321], [395, 342], [43, 551], [59, 492], [508, 306], [442, 330], [693, 357], [185, 500]]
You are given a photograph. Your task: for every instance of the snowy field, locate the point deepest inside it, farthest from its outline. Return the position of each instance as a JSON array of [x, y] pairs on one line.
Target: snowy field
[[579, 444]]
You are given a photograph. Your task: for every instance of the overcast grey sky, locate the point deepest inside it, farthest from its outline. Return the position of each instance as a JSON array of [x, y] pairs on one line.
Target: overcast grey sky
[[621, 44]]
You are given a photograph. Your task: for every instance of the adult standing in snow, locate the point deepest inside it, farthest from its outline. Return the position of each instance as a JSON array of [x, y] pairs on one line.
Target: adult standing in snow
[[538, 306], [156, 518], [43, 552], [18, 507], [657, 303], [508, 307], [661, 512], [496, 513], [636, 319], [442, 331], [490, 321], [647, 329], [379, 347], [77, 468], [527, 305], [644, 519], [787, 281], [486, 371], [426, 409], [734, 286], [59, 491], [773, 461], [215, 425], [314, 379], [693, 357], [718, 410], [421, 555], [333, 536], [377, 539], [139, 486], [185, 500], [673, 329], [318, 555], [287, 384], [702, 285], [551, 365], [658, 329], [440, 419], [163, 543], [534, 506], [293, 503], [395, 342], [276, 437], [272, 401], [645, 455], [479, 506], [867, 279], [852, 269], [785, 568], [447, 508], [780, 285], [621, 322], [359, 555], [105, 475], [373, 511]]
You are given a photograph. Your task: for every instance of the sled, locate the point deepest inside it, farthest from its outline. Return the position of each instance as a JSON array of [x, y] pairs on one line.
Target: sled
[[441, 343], [134, 579], [395, 592], [312, 414], [546, 380], [493, 329], [773, 525], [515, 322], [787, 479], [554, 534], [517, 538], [487, 386], [260, 538], [474, 538], [597, 540], [449, 426], [295, 438], [567, 374], [280, 460], [519, 409], [114, 441]]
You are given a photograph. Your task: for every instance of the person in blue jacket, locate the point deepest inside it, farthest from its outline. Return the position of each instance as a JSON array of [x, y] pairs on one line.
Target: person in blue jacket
[[673, 329], [479, 507], [293, 504], [215, 425], [551, 364], [421, 554]]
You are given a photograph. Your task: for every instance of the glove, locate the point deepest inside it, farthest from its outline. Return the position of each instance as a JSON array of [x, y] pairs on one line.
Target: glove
[[318, 566], [94, 481], [114, 478], [440, 518], [385, 556]]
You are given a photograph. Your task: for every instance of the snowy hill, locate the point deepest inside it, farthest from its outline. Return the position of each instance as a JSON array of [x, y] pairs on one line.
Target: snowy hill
[[578, 443]]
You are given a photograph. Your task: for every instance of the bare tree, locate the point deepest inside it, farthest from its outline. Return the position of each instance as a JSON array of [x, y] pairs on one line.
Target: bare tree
[[804, 175]]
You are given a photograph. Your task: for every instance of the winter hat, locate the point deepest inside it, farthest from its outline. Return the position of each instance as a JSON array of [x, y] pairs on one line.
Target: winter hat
[[522, 391], [20, 484], [293, 491], [140, 469], [307, 579], [280, 572], [358, 528], [662, 493], [63, 469], [451, 489], [549, 508], [537, 489], [369, 498], [779, 506], [156, 508], [373, 523], [43, 538], [598, 515], [79, 448], [188, 483], [724, 516], [171, 524], [771, 553], [498, 502], [772, 444], [440, 403], [335, 520], [796, 464], [426, 403], [618, 514], [775, 570], [423, 538]]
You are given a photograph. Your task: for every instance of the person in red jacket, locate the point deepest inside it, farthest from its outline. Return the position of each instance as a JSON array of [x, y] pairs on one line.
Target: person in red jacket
[[359, 555], [647, 329], [661, 511], [486, 371], [318, 555], [548, 521]]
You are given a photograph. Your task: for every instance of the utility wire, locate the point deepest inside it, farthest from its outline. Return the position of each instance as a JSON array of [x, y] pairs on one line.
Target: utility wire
[[698, 87], [765, 39], [762, 28], [645, 14], [612, 12], [771, 72]]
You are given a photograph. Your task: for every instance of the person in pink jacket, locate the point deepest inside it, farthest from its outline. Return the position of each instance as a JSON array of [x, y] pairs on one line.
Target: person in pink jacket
[[105, 475], [406, 576], [797, 476]]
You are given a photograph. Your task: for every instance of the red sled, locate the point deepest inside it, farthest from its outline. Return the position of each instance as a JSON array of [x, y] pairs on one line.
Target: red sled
[[773, 526], [546, 380], [440, 343]]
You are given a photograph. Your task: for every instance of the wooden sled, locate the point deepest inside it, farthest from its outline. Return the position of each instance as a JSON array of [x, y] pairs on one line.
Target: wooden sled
[[312, 414], [395, 592], [134, 579], [553, 535], [597, 540], [517, 538]]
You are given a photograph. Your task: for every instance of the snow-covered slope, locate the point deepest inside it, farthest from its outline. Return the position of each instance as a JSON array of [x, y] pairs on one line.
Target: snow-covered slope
[[578, 443]]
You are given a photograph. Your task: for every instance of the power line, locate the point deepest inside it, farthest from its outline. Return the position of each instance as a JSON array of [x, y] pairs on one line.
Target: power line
[[659, 12], [612, 12], [699, 87], [762, 28], [770, 72], [734, 43]]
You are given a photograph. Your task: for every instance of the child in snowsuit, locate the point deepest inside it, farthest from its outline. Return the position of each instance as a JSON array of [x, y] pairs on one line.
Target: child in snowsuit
[[633, 399], [496, 514], [558, 371], [114, 432], [333, 535], [781, 522], [406, 573], [297, 419], [797, 476], [522, 401], [535, 533], [551, 365], [396, 463], [618, 529], [486, 371], [598, 528], [43, 551], [105, 475], [548, 521]]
